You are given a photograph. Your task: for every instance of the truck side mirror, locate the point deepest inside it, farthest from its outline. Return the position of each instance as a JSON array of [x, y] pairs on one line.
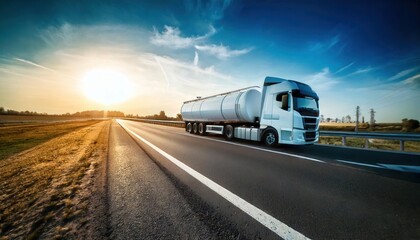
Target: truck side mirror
[[285, 102]]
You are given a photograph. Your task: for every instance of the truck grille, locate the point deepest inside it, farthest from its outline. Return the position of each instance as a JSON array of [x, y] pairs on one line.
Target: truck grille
[[310, 136], [309, 123]]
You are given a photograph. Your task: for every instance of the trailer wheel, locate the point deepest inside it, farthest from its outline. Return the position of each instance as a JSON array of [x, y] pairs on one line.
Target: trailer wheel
[[229, 132], [270, 138], [189, 127], [195, 128], [201, 129]]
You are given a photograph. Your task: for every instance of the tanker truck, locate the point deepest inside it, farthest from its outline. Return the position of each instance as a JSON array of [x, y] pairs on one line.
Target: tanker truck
[[282, 112]]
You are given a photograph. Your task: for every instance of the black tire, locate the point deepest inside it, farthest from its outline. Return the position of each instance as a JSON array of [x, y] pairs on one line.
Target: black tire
[[201, 129], [270, 138], [229, 132], [189, 127], [195, 128]]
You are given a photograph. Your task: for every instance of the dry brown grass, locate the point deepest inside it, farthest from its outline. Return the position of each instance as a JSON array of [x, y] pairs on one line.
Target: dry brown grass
[[364, 127], [383, 144], [411, 146], [13, 119], [342, 126], [45, 190], [16, 138]]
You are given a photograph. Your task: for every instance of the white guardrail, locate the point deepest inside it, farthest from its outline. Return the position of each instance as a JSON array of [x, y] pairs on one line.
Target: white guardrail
[[401, 137]]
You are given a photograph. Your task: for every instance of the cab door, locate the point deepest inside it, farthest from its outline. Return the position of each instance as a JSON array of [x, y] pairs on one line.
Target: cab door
[[282, 115], [267, 110]]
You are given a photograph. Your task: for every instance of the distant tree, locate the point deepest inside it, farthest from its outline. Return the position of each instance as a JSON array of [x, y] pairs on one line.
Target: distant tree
[[2, 111], [328, 119], [114, 114], [348, 118], [12, 112], [409, 124], [322, 118], [162, 115], [179, 117]]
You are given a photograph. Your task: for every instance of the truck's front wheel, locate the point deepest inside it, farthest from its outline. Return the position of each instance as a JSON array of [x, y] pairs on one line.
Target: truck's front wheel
[[270, 138]]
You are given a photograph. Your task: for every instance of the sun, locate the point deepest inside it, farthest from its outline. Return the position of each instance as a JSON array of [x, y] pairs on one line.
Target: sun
[[106, 86]]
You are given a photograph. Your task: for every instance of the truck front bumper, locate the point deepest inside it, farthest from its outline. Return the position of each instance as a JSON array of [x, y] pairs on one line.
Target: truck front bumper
[[302, 137]]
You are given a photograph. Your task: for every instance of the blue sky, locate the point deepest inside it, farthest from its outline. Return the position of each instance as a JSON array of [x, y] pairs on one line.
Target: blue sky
[[357, 53]]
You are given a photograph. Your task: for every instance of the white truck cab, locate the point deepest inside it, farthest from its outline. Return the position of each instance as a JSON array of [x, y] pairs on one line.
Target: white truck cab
[[291, 108]]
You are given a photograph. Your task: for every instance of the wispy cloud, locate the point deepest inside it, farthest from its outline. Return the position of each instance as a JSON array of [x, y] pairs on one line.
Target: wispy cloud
[[33, 64], [322, 80], [402, 74], [8, 71], [174, 63], [62, 34], [171, 37], [163, 70], [361, 71], [414, 80], [324, 45], [83, 37], [196, 58], [345, 67], [212, 10], [221, 51]]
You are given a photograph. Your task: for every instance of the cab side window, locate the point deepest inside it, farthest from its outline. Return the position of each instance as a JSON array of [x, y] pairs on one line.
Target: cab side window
[[282, 101]]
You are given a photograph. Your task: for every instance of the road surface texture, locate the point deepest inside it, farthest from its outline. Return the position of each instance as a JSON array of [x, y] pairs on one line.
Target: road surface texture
[[315, 192], [144, 203]]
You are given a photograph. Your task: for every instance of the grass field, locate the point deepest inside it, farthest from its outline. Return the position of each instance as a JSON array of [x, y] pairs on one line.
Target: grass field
[[46, 180], [16, 138], [383, 144], [364, 127], [6, 120], [411, 146]]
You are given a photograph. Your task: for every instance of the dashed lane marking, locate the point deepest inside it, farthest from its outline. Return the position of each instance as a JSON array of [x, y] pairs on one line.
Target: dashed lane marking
[[360, 164], [395, 167]]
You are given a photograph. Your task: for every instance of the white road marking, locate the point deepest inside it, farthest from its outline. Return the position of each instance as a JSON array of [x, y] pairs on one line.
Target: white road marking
[[395, 167], [361, 164], [265, 219], [402, 168]]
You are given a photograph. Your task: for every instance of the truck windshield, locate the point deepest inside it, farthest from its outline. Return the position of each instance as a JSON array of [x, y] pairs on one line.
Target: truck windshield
[[306, 105]]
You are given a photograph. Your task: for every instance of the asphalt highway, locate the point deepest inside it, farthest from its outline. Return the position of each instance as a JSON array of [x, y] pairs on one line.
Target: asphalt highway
[[143, 203], [315, 192]]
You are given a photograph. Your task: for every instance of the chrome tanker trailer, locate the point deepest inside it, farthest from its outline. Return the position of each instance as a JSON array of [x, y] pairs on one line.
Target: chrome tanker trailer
[[285, 112]]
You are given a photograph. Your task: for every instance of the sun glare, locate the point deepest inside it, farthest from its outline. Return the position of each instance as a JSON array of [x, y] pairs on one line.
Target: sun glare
[[106, 86]]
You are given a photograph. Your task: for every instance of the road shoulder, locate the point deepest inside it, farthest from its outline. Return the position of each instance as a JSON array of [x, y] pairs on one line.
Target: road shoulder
[[144, 202]]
